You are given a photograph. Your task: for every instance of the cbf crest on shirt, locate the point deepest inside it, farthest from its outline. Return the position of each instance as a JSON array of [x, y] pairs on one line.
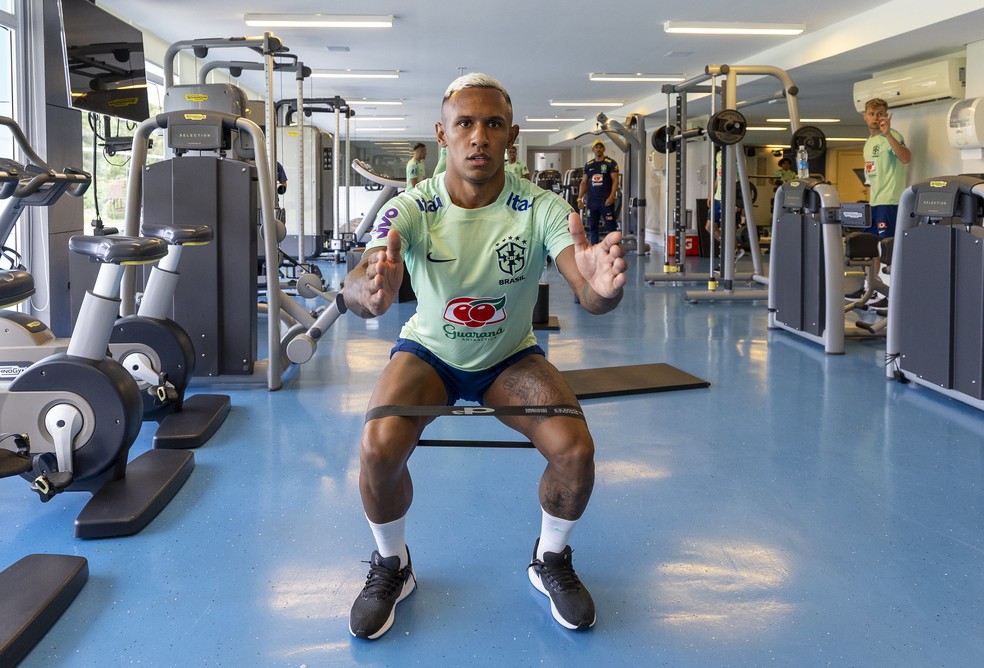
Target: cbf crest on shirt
[[475, 271]]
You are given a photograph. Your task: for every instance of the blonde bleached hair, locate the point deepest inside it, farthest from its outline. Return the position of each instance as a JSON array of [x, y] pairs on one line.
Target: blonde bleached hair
[[875, 103], [476, 80]]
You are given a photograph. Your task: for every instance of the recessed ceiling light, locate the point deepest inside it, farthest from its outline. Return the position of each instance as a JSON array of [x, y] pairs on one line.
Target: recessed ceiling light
[[539, 129], [553, 120], [374, 103], [317, 21], [847, 139], [561, 103], [338, 49], [356, 74], [732, 28], [804, 120], [633, 76], [766, 128]]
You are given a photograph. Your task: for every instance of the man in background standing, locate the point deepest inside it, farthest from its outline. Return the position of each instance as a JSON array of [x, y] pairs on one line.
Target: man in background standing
[[597, 194], [514, 166], [885, 160], [416, 170]]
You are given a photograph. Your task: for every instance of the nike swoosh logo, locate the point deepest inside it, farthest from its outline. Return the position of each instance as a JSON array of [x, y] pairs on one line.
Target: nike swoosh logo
[[434, 259]]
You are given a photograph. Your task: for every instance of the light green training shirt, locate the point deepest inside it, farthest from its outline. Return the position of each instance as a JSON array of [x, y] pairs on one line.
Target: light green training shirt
[[885, 173], [416, 170], [517, 168], [475, 271]]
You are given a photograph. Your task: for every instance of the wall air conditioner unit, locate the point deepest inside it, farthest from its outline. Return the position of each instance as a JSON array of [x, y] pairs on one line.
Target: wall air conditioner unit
[[923, 82]]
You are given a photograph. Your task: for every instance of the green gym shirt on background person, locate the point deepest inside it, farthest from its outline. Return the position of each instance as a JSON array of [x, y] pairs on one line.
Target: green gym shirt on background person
[[416, 169], [514, 166]]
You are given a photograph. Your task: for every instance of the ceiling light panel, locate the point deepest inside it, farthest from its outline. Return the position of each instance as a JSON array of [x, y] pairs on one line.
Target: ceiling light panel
[[317, 21], [563, 103], [356, 74], [804, 120], [634, 76], [731, 28], [373, 103]]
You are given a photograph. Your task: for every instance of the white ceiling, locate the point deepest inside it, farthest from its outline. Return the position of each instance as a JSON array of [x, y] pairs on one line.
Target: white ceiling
[[544, 50]]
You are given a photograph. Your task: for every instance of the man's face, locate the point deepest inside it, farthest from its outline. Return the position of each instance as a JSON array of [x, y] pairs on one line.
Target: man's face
[[512, 155], [873, 116], [599, 151], [476, 127], [420, 153]]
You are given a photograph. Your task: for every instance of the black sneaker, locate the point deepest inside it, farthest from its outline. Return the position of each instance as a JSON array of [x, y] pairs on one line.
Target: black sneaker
[[881, 303], [570, 602], [386, 585], [854, 296]]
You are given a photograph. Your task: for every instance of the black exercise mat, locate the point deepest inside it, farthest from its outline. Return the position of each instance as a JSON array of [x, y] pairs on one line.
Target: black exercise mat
[[633, 379]]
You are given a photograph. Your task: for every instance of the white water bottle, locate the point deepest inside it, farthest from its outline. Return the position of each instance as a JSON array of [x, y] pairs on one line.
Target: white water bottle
[[802, 163]]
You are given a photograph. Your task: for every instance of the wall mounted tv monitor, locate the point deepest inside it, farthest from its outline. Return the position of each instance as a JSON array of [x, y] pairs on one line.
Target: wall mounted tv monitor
[[105, 62]]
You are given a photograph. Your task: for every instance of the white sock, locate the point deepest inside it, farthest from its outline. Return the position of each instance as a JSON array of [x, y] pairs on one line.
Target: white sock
[[390, 540], [555, 534]]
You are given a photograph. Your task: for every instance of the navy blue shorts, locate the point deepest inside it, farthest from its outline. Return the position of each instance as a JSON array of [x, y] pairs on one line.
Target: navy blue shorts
[[467, 385], [883, 220]]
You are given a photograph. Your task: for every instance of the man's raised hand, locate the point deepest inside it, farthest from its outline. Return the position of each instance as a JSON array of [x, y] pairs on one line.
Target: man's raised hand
[[384, 275], [601, 265]]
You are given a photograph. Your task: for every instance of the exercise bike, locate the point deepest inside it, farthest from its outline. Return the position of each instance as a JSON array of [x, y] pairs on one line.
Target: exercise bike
[[73, 416], [156, 351]]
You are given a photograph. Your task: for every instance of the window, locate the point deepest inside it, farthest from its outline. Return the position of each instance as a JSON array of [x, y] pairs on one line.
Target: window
[[108, 157], [6, 80]]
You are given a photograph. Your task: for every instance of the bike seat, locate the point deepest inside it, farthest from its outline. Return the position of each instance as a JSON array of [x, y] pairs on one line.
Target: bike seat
[[861, 246], [15, 287], [178, 235], [119, 249]]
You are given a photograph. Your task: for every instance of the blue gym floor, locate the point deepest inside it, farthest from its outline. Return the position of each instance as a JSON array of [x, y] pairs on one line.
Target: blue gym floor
[[802, 511]]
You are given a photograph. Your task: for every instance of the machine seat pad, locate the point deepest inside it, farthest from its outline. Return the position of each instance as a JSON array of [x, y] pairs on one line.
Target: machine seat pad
[[178, 235], [119, 249], [861, 245], [15, 287], [887, 246]]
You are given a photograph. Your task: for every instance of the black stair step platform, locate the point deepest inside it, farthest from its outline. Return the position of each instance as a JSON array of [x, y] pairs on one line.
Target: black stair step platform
[[123, 507], [200, 417], [632, 379], [552, 324], [34, 592]]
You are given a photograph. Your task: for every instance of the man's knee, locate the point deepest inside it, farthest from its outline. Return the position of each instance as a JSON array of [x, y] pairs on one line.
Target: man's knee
[[384, 449], [575, 455]]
